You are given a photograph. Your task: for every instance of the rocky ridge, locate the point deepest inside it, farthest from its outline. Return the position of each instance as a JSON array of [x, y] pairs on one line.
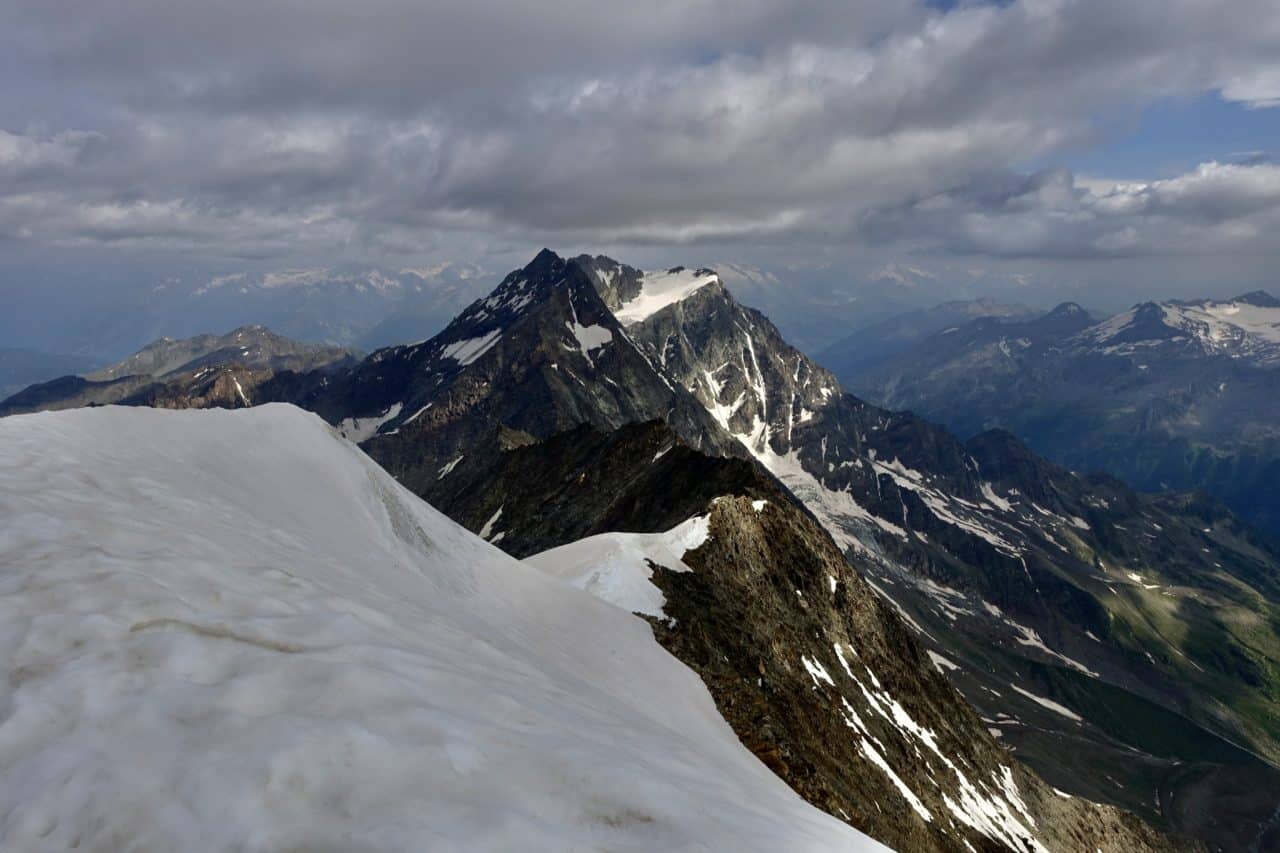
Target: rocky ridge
[[815, 672]]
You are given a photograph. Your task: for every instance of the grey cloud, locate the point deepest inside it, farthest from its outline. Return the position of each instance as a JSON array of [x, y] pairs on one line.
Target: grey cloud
[[391, 55], [322, 127]]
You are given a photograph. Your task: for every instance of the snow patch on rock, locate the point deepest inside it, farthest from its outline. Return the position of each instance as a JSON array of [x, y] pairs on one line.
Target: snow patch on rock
[[356, 430], [660, 289], [467, 351]]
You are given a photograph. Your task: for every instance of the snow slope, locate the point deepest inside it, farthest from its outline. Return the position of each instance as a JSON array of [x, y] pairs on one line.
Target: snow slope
[[231, 630], [1238, 328], [615, 566], [660, 289]]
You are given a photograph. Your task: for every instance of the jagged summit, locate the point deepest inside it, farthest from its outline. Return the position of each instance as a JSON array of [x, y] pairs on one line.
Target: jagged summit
[[521, 290], [541, 353], [632, 295], [544, 259]]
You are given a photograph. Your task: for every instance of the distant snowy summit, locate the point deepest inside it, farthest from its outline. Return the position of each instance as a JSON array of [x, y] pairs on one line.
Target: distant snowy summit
[[1246, 328]]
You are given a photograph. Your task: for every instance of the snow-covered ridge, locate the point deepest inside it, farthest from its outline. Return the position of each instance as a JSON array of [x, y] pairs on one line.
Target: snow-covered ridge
[[1241, 328], [232, 626], [615, 566], [660, 289]]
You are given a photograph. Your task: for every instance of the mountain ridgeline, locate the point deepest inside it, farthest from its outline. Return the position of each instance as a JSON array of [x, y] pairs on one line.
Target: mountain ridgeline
[[879, 342], [1173, 395], [202, 371], [862, 564]]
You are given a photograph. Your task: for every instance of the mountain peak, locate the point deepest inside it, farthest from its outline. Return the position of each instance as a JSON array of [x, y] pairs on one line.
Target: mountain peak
[[1067, 318], [1066, 309], [544, 259], [254, 345], [1259, 298], [532, 284]]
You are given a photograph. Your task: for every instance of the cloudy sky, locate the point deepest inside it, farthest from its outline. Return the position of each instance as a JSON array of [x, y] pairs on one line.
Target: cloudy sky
[[1041, 149]]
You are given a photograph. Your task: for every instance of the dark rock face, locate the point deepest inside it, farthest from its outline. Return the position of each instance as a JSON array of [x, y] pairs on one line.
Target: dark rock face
[[816, 674], [616, 283], [879, 342], [1174, 395], [541, 354], [640, 478]]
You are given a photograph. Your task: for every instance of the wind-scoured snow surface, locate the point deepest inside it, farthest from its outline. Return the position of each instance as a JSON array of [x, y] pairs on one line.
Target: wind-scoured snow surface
[[231, 630], [615, 566]]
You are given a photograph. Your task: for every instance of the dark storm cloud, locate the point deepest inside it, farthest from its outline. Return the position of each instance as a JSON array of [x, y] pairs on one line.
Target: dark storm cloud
[[251, 128]]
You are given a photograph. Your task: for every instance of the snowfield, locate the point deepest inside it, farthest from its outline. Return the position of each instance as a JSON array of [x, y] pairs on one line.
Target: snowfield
[[230, 630], [659, 289], [1237, 328], [614, 567]]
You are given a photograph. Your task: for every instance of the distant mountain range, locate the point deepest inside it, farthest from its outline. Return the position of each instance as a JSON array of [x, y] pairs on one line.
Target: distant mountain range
[[22, 367], [1126, 646], [189, 373], [876, 343], [1167, 395]]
